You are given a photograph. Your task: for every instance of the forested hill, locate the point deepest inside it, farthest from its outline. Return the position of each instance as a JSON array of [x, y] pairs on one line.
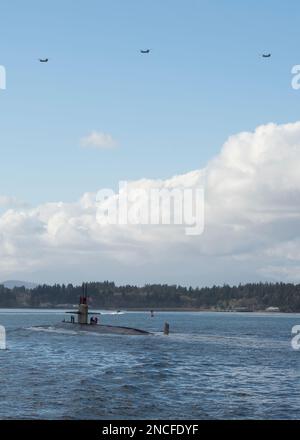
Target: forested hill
[[248, 297]]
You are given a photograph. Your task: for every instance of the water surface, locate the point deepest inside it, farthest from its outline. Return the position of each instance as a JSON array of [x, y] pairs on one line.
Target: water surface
[[212, 366]]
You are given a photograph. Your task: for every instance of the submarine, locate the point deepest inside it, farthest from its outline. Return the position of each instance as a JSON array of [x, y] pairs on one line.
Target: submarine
[[80, 321]]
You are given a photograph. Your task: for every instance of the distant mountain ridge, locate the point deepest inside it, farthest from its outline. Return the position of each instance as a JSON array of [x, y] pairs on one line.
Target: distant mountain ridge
[[11, 284]]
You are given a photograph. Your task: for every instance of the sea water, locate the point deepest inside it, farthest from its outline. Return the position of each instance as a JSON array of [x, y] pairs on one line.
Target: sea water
[[211, 366]]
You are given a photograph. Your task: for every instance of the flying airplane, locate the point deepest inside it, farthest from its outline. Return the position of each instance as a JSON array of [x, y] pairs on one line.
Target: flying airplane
[[45, 60], [266, 55], [145, 51]]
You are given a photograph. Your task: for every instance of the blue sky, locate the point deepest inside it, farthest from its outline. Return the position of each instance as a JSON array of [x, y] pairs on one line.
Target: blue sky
[[170, 111]]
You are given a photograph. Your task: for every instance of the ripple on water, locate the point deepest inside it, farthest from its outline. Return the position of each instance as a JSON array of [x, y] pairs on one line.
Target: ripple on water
[[211, 366]]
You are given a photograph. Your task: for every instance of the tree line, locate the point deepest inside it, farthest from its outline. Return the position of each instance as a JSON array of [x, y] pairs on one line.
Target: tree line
[[247, 297]]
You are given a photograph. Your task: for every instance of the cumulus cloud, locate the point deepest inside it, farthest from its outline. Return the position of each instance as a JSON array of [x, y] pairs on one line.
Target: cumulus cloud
[[11, 202], [252, 218], [98, 140]]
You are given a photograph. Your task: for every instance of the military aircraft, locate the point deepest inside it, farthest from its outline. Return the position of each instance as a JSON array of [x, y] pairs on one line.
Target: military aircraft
[[145, 51], [43, 60]]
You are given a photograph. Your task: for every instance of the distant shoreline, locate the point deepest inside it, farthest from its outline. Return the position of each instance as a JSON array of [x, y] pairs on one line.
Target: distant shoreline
[[252, 297], [155, 310]]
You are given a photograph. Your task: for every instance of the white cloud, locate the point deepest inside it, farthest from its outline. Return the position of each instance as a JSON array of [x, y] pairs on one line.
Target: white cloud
[[252, 219], [98, 140], [11, 202]]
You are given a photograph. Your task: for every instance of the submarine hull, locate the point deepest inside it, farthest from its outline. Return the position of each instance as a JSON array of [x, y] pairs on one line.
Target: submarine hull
[[103, 329]]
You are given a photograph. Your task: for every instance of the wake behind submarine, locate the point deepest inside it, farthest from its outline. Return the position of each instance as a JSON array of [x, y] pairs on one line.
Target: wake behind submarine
[[80, 321]]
